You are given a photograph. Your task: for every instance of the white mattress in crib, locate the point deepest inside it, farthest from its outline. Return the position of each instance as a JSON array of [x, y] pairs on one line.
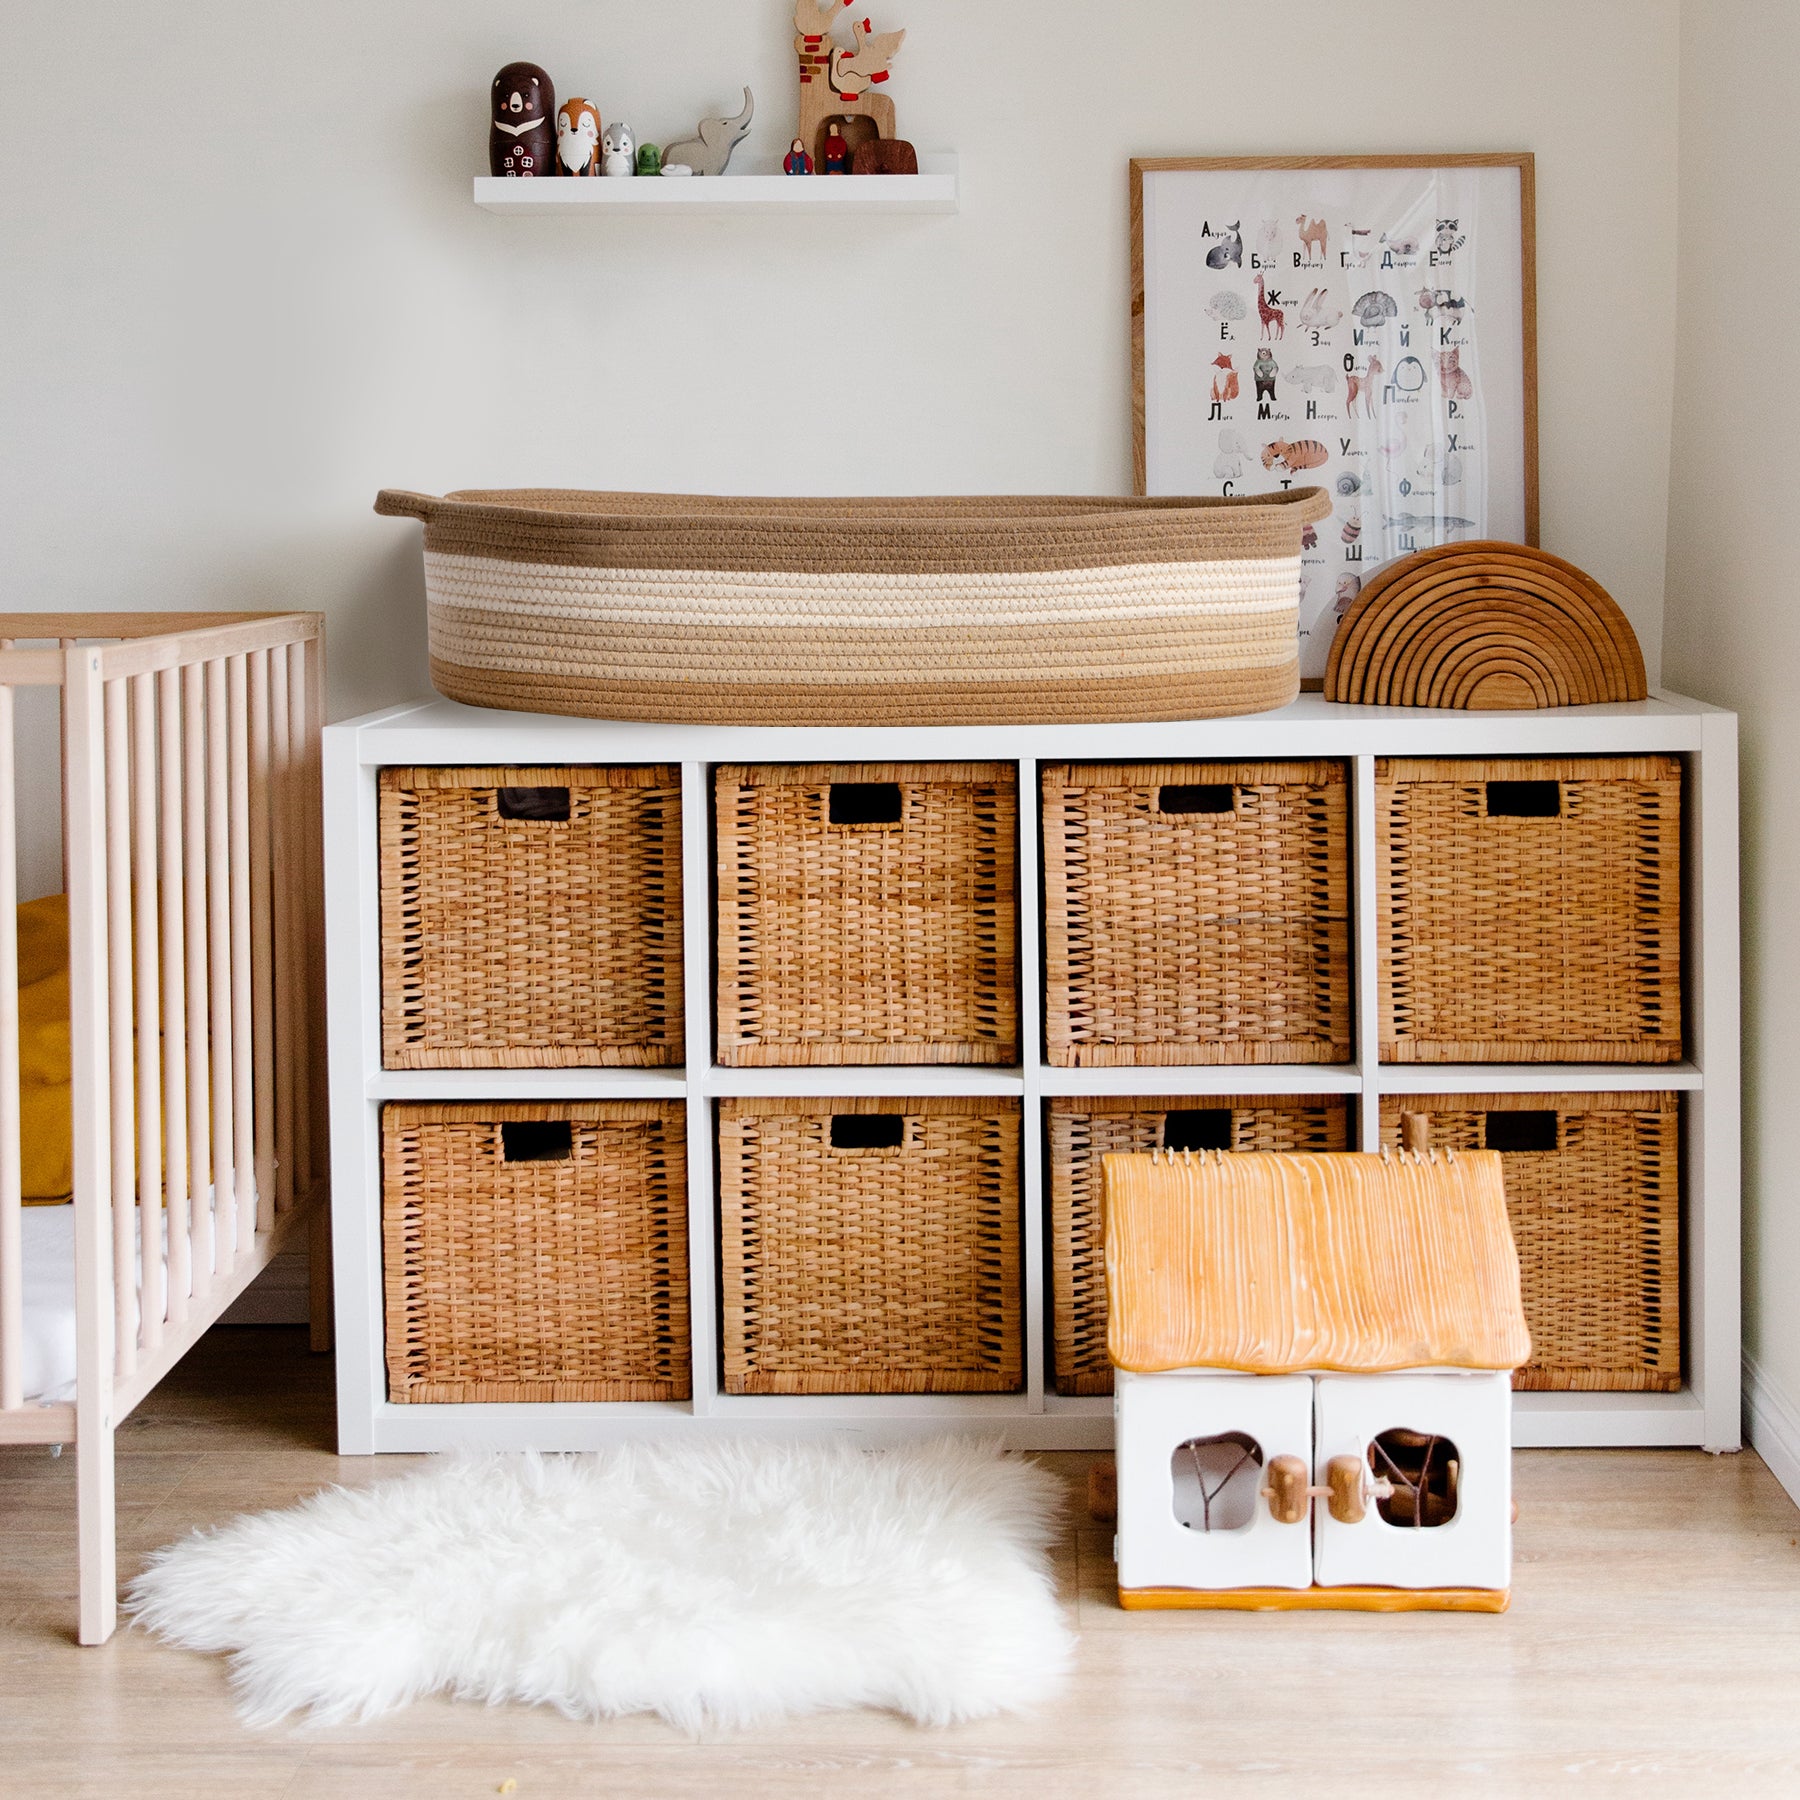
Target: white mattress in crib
[[48, 1279]]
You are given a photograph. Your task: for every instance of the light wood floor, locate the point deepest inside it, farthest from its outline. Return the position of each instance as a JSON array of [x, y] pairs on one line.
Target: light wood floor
[[1653, 1647]]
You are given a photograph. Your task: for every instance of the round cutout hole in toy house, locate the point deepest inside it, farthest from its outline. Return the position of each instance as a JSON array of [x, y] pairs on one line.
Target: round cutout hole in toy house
[[1418, 1476], [1217, 1481]]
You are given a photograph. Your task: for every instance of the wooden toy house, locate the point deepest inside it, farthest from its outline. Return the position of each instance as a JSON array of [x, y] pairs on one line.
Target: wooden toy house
[[1313, 1396]]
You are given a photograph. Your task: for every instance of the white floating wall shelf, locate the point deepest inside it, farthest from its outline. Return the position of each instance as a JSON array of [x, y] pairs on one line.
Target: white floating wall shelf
[[932, 190]]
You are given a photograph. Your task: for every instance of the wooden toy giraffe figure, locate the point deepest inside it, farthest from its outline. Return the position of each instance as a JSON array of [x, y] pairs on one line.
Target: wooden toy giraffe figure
[[840, 83]]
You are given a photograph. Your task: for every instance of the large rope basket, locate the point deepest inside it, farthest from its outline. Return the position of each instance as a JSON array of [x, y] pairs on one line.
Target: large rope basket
[[1041, 609]]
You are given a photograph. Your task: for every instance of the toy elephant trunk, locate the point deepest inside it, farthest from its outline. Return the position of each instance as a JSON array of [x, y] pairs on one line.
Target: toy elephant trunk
[[709, 150]]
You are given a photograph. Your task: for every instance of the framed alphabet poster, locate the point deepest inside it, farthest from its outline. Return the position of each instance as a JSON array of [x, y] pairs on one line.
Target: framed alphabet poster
[[1363, 323]]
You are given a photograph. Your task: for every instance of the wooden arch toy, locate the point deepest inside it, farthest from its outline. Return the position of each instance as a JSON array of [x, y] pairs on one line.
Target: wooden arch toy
[[1485, 627]]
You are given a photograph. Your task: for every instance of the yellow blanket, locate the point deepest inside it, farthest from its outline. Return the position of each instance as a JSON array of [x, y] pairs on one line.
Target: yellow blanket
[[46, 1135]]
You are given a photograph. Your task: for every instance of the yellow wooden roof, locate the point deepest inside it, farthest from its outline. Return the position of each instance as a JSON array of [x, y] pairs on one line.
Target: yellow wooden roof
[[1273, 1263]]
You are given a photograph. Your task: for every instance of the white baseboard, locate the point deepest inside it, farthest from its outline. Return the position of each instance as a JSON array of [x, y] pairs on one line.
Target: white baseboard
[[1772, 1424], [278, 1296]]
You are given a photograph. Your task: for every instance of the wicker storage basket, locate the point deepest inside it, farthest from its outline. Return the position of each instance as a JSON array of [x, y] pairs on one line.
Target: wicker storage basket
[[854, 612], [870, 1246], [866, 914], [530, 917], [1530, 911], [535, 1251], [1084, 1130], [1196, 913], [1593, 1190]]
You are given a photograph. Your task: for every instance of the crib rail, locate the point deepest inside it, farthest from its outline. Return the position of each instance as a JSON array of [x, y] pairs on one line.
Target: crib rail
[[191, 853]]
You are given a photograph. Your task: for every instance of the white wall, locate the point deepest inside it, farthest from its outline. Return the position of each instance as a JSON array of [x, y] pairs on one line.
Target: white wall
[[1733, 629], [242, 284]]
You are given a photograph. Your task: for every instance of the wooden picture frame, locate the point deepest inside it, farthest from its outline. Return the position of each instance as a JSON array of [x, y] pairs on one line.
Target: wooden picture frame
[[1318, 268]]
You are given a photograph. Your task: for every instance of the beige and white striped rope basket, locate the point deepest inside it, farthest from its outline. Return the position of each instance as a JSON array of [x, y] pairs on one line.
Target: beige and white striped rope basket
[[915, 611]]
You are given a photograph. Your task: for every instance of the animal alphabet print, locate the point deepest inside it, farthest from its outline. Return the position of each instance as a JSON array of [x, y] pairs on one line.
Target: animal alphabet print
[[1357, 325]]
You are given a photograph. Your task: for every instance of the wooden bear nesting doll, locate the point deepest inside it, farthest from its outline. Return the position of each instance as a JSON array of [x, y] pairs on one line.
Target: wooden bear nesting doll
[[522, 138], [577, 138]]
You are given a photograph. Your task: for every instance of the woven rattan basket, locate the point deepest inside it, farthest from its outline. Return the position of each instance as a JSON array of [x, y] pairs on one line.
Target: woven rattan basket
[[535, 1251], [918, 611], [1593, 1191], [866, 914], [1530, 911], [1084, 1130], [1196, 913], [870, 1246], [530, 917]]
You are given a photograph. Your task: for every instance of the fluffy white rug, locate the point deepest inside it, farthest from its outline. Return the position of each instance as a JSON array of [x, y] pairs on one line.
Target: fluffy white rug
[[720, 1583]]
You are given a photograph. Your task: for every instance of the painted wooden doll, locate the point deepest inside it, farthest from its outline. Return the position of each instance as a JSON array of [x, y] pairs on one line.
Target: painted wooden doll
[[837, 149], [577, 138], [797, 162], [618, 152], [521, 139]]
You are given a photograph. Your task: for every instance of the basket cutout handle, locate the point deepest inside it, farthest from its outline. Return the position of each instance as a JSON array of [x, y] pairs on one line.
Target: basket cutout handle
[[864, 803], [1520, 1131], [542, 805], [1196, 797], [868, 1131], [536, 1140], [1198, 1128], [1524, 799]]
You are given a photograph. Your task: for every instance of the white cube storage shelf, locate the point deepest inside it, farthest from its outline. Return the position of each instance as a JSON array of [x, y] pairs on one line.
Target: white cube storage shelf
[[1705, 1411]]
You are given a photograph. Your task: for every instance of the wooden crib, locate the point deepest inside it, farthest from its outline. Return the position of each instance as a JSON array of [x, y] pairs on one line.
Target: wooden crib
[[190, 861]]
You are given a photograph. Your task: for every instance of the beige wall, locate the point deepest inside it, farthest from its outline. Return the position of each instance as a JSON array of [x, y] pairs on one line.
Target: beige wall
[[243, 286], [1732, 633]]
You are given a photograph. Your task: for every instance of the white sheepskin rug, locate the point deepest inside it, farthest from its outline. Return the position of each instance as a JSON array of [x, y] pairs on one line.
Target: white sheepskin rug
[[724, 1583]]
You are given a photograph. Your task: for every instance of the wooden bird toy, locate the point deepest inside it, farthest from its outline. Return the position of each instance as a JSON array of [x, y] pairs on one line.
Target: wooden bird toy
[[840, 86]]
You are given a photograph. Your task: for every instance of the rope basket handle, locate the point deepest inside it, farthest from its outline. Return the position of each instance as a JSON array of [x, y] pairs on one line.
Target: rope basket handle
[[402, 503]]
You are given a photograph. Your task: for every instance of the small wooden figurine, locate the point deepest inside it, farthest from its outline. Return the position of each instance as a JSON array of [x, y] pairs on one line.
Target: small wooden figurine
[[577, 138], [836, 151], [709, 149], [649, 159], [618, 154], [521, 139], [1313, 1387], [797, 162], [838, 86]]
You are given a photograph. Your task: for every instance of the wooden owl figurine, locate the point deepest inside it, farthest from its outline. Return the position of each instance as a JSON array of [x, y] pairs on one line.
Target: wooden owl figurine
[[522, 139], [577, 137]]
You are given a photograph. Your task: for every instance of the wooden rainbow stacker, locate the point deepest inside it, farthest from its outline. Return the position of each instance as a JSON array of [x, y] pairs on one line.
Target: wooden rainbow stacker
[[1313, 1400]]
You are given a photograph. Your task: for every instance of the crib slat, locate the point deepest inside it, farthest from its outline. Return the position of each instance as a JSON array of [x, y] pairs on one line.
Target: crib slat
[[319, 1258], [218, 966], [243, 1157], [298, 813], [280, 799], [119, 1036], [262, 971], [12, 1299], [154, 1287], [176, 1159], [89, 1082], [193, 846]]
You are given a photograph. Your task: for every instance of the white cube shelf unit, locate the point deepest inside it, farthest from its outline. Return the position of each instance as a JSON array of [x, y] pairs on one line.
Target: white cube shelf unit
[[1705, 1411]]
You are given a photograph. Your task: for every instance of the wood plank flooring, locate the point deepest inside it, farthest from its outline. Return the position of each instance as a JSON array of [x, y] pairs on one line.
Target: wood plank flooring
[[1653, 1647]]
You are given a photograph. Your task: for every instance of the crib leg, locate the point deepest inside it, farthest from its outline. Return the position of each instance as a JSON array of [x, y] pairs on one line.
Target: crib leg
[[318, 1273], [94, 1503]]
